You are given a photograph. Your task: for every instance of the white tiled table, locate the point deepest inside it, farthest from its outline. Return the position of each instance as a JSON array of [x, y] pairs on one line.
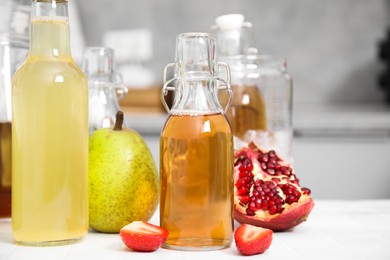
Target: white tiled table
[[345, 230]]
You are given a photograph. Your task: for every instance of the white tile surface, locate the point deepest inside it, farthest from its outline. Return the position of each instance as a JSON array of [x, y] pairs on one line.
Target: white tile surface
[[345, 230]]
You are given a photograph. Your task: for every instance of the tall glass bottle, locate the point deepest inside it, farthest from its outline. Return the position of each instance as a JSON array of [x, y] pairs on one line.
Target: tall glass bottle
[[104, 87], [196, 152], [49, 135]]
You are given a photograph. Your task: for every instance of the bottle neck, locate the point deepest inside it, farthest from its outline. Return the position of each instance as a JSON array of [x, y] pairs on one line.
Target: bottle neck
[[50, 29], [196, 96]]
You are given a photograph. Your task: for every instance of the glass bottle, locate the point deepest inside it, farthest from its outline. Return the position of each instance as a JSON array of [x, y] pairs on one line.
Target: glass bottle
[[261, 109], [235, 40], [196, 152], [247, 110], [104, 88], [277, 88], [49, 135], [13, 51]]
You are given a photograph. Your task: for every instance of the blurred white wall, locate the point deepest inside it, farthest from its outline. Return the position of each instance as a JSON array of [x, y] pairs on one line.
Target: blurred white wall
[[331, 46]]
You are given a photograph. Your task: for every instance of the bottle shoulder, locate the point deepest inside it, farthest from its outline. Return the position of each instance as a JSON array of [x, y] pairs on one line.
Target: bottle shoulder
[[44, 72], [49, 68], [195, 124]]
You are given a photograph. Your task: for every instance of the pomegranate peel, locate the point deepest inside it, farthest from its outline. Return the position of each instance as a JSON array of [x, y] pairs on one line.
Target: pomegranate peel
[[291, 217], [267, 192]]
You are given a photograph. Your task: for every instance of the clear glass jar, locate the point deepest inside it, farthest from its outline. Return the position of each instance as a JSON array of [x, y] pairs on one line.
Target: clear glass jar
[[261, 109], [276, 87], [104, 85], [196, 152]]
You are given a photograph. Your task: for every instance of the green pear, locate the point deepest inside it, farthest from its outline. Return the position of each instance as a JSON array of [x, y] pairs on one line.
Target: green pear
[[123, 180]]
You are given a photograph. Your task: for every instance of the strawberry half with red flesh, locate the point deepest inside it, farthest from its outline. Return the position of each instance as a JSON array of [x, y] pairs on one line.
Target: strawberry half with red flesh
[[251, 240], [142, 236]]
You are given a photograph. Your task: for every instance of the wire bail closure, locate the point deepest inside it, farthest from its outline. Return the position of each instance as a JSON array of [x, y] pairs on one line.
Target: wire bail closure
[[226, 84]]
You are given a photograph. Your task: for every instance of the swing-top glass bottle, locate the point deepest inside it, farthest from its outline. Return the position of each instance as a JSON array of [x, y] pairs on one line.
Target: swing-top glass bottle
[[196, 152]]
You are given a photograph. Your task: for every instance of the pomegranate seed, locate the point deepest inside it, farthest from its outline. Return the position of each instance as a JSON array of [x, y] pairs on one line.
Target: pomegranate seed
[[306, 191], [252, 206], [279, 201], [291, 199], [244, 199], [250, 212], [273, 160], [271, 171], [278, 173], [258, 182], [240, 183], [272, 209], [271, 153], [242, 174], [277, 166], [287, 172], [242, 191], [263, 158], [271, 185], [270, 165], [263, 166]]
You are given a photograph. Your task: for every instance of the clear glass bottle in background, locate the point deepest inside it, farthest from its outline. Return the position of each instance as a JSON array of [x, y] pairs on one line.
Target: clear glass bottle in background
[[236, 48], [276, 87], [247, 110], [104, 87], [13, 51], [261, 110], [196, 152], [49, 135]]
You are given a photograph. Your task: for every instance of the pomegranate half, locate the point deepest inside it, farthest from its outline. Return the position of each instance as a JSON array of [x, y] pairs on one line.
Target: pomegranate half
[[267, 192]]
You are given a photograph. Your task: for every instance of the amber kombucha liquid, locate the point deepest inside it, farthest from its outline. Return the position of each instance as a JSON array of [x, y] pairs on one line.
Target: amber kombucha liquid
[[196, 182], [5, 169], [246, 110]]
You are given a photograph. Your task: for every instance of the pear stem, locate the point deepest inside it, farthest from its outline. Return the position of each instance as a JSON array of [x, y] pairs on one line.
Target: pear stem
[[118, 121]]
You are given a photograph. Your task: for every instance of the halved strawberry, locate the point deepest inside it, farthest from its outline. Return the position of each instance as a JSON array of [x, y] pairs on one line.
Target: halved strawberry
[[251, 240], [142, 236]]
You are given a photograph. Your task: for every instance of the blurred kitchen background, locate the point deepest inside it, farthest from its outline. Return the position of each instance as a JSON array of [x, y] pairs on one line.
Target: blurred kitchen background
[[341, 114]]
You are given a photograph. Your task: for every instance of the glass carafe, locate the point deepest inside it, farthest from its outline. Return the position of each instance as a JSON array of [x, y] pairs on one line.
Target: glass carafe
[[13, 51], [196, 152], [49, 135], [105, 87]]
